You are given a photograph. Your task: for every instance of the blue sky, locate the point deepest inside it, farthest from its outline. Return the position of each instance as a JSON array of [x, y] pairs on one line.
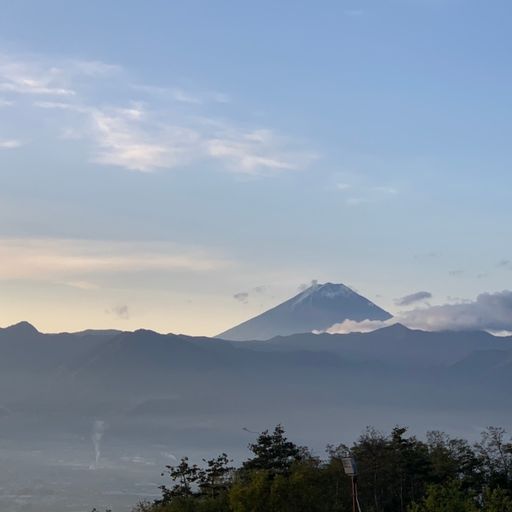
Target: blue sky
[[158, 158]]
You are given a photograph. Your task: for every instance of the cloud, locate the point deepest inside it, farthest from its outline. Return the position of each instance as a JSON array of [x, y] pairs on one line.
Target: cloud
[[385, 190], [305, 286], [5, 103], [407, 300], [143, 127], [181, 95], [27, 76], [123, 139], [70, 261], [456, 273], [10, 143], [251, 152], [488, 312], [133, 137], [121, 311], [348, 326], [362, 192], [507, 264], [82, 285], [242, 297]]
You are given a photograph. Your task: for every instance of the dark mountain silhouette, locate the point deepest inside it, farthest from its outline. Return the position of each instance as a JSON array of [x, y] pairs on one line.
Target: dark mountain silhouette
[[394, 345], [145, 371], [316, 308]]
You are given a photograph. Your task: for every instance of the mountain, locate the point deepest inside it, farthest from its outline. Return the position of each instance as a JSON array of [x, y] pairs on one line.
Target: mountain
[[395, 345], [29, 358], [316, 308], [158, 397]]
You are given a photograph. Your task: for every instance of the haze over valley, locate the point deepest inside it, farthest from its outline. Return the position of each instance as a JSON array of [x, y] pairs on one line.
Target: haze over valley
[[222, 218]]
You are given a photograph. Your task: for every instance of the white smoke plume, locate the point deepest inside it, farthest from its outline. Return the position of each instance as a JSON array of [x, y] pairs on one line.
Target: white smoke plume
[[98, 429]]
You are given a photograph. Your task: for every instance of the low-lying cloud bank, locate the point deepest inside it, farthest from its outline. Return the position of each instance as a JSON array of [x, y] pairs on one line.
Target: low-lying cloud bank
[[488, 312]]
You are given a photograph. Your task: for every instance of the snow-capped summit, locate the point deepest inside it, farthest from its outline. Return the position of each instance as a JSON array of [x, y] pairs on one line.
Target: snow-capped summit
[[316, 308]]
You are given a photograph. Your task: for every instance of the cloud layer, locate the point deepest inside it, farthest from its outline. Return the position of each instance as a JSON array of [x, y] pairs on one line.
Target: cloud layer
[[72, 261], [488, 312]]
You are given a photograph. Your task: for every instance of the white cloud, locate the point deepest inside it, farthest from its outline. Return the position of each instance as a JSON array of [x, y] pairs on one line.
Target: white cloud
[[6, 103], [488, 312], [10, 143], [250, 152], [33, 75], [123, 139], [149, 133], [26, 76], [136, 138], [364, 326]]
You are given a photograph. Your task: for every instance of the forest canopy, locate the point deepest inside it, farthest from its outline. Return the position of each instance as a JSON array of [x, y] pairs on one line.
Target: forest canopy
[[397, 472]]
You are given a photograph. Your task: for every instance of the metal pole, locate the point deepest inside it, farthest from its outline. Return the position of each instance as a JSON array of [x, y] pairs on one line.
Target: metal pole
[[354, 491]]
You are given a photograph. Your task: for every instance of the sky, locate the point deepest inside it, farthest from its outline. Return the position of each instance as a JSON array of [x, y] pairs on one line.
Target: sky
[[184, 165]]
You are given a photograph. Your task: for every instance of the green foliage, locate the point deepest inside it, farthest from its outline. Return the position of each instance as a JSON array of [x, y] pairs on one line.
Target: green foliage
[[397, 473], [445, 498], [497, 500], [273, 452]]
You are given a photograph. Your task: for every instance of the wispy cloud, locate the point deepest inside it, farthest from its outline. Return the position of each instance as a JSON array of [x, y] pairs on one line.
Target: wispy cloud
[[73, 261], [182, 95], [10, 143], [122, 311], [357, 189], [144, 127], [387, 190], [413, 298], [29, 77], [506, 264], [33, 75], [244, 297], [124, 139]]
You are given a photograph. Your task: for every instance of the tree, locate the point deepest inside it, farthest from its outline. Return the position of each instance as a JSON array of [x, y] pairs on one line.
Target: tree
[[215, 478], [183, 476], [445, 498], [273, 452], [497, 500], [496, 457]]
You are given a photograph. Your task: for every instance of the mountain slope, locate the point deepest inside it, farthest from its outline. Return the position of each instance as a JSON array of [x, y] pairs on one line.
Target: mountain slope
[[395, 345], [316, 308]]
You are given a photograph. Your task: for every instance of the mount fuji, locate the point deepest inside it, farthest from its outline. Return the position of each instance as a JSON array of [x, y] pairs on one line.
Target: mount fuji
[[316, 308]]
